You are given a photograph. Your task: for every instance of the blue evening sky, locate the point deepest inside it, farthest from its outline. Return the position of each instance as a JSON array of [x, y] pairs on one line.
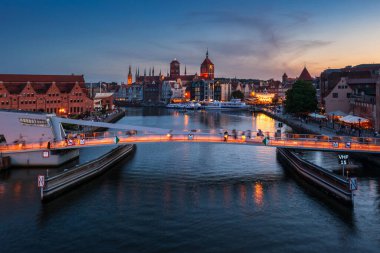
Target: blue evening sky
[[256, 39]]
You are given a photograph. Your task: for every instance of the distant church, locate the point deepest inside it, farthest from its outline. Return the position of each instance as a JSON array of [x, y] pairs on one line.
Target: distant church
[[207, 68], [207, 71]]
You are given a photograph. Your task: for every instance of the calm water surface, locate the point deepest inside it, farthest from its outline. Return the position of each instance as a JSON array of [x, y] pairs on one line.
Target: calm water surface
[[183, 197]]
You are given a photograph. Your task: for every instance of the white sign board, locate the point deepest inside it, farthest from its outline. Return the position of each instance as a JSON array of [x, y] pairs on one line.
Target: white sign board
[[45, 154], [41, 181]]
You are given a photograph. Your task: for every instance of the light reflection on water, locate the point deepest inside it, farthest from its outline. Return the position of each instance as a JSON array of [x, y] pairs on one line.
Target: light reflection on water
[[185, 197]]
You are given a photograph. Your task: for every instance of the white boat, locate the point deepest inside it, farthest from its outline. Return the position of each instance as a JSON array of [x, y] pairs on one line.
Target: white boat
[[192, 106], [189, 106], [174, 106], [215, 105], [233, 104]]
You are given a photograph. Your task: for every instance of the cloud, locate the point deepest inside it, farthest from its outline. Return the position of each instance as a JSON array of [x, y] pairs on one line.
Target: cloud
[[260, 45]]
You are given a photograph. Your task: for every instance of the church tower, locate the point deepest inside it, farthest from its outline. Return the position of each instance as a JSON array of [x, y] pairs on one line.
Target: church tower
[[129, 82], [174, 68], [207, 68]]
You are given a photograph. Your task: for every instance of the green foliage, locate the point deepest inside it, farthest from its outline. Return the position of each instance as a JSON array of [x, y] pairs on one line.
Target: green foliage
[[301, 98], [237, 94]]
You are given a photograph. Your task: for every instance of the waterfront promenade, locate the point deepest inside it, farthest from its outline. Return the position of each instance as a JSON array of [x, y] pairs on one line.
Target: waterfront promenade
[[314, 126]]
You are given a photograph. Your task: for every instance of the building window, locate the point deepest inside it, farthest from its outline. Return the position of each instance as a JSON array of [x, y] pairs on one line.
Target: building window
[[348, 95], [335, 95], [34, 122]]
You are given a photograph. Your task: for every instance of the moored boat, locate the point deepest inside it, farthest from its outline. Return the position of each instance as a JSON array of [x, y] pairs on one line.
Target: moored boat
[[229, 105]]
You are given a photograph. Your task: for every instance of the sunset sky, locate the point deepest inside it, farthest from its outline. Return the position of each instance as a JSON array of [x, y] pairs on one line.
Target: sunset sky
[[247, 39]]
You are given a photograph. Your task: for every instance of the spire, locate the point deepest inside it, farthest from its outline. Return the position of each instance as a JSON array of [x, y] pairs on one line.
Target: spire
[[160, 73], [144, 71], [138, 71], [136, 74], [150, 71], [207, 53], [153, 71], [130, 70], [305, 75], [185, 70]]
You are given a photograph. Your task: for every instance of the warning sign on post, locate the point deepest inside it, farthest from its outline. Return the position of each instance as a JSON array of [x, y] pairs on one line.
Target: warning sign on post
[[41, 181]]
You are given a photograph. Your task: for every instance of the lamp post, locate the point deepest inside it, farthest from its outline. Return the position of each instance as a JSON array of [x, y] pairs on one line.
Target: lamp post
[[333, 119], [359, 126]]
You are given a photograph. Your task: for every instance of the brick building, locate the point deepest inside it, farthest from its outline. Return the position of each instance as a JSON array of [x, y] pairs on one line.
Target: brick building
[[60, 94], [354, 90]]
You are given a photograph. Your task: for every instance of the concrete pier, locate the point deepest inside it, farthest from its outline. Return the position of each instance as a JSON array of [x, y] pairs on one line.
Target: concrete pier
[[42, 158], [5, 162], [326, 181], [66, 181]]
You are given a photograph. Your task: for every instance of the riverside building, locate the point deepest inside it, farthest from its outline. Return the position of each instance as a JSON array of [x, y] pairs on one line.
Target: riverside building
[[59, 94]]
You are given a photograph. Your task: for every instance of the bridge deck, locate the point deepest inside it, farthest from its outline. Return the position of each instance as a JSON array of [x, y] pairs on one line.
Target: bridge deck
[[285, 141]]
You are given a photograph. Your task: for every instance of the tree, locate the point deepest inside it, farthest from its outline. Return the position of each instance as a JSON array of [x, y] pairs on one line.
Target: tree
[[237, 94], [301, 98]]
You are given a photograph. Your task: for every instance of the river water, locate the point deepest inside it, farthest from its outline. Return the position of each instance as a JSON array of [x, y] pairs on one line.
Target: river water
[[189, 197]]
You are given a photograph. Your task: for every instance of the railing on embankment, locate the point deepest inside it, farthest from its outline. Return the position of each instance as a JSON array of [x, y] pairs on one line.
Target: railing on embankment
[[59, 184], [325, 180]]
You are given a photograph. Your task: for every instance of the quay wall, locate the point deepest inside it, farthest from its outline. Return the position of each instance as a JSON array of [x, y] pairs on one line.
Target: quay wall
[[36, 158], [296, 127], [5, 162], [112, 119]]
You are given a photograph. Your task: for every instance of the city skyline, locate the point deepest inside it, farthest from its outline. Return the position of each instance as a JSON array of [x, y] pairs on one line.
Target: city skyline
[[246, 39]]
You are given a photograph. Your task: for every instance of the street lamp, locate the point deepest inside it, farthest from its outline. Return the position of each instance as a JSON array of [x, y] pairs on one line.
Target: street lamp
[[333, 119]]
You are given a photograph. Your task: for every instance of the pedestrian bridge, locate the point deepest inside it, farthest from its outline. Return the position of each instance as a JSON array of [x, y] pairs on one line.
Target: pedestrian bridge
[[253, 138], [24, 131]]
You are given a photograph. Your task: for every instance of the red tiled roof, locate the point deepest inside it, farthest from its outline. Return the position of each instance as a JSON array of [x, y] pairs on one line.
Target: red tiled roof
[[14, 88], [305, 75], [40, 88], [182, 77], [207, 61], [65, 87], [41, 78]]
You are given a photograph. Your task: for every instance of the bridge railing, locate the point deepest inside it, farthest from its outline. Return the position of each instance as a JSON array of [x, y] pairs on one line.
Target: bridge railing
[[213, 135]]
